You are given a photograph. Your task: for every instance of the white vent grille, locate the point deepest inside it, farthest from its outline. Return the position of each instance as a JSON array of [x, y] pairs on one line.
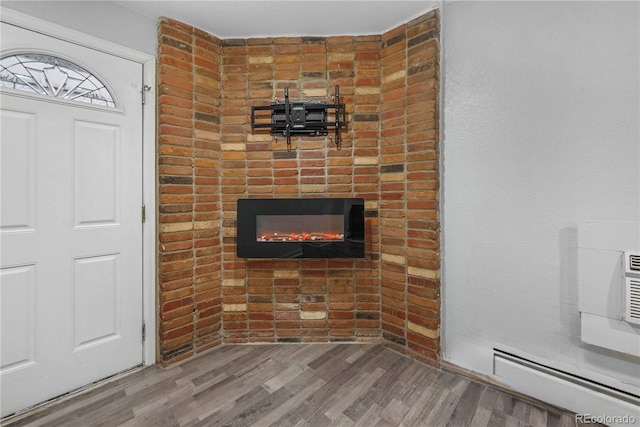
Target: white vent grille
[[632, 311], [632, 287]]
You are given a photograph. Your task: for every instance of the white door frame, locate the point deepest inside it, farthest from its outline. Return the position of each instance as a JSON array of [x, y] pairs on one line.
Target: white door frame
[[148, 155]]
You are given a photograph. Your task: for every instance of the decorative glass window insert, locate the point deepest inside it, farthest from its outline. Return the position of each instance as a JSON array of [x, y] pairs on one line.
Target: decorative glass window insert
[[52, 76]]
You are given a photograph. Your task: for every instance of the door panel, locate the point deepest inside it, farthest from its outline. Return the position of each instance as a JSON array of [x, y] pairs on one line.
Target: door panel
[[18, 316], [18, 167], [71, 230], [96, 288], [96, 174]]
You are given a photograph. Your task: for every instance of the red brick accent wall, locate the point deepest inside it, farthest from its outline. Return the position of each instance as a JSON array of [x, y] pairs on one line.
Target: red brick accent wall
[[209, 158], [299, 300], [189, 263], [409, 178]]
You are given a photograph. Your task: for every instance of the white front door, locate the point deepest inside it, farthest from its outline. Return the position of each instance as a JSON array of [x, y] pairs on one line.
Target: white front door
[[70, 228]]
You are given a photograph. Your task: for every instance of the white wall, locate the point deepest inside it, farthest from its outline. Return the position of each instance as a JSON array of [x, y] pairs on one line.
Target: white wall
[[540, 131], [103, 19]]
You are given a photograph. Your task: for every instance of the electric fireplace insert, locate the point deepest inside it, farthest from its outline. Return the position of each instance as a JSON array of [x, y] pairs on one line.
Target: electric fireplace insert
[[300, 228]]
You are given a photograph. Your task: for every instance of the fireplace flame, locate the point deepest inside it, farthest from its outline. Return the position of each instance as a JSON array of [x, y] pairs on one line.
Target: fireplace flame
[[299, 237]]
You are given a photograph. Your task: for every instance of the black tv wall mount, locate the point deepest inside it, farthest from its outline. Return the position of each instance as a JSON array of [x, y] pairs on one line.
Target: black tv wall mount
[[311, 118]]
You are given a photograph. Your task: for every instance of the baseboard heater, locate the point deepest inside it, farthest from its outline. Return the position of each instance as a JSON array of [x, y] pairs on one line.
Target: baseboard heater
[[517, 369]]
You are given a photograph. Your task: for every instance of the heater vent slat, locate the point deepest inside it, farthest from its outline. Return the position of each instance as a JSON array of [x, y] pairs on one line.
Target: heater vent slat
[[632, 312], [634, 262]]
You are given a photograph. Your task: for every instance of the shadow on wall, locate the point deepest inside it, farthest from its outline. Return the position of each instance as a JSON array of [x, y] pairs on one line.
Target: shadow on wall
[[568, 290]]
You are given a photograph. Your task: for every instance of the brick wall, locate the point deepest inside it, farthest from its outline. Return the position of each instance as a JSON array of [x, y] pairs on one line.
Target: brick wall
[[409, 221], [189, 263], [388, 157], [299, 300]]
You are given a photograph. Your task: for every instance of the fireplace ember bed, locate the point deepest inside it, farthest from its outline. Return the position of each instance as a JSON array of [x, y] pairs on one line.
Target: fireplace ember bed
[[300, 228]]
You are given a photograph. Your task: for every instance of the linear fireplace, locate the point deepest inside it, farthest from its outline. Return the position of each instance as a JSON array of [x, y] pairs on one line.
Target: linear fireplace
[[300, 228]]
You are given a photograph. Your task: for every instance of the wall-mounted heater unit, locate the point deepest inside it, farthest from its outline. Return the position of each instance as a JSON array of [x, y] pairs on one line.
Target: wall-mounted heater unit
[[609, 284], [312, 118], [632, 287]]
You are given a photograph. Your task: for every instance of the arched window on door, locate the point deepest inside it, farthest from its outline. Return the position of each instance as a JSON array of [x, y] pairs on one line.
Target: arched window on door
[[52, 76]]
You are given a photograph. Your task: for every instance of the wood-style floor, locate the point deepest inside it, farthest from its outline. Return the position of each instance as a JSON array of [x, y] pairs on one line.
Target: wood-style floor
[[295, 385]]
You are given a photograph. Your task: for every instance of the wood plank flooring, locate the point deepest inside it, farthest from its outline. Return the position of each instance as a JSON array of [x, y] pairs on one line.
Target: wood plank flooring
[[295, 385]]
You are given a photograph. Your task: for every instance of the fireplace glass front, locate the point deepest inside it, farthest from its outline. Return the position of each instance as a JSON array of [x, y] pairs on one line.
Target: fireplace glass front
[[300, 228]]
